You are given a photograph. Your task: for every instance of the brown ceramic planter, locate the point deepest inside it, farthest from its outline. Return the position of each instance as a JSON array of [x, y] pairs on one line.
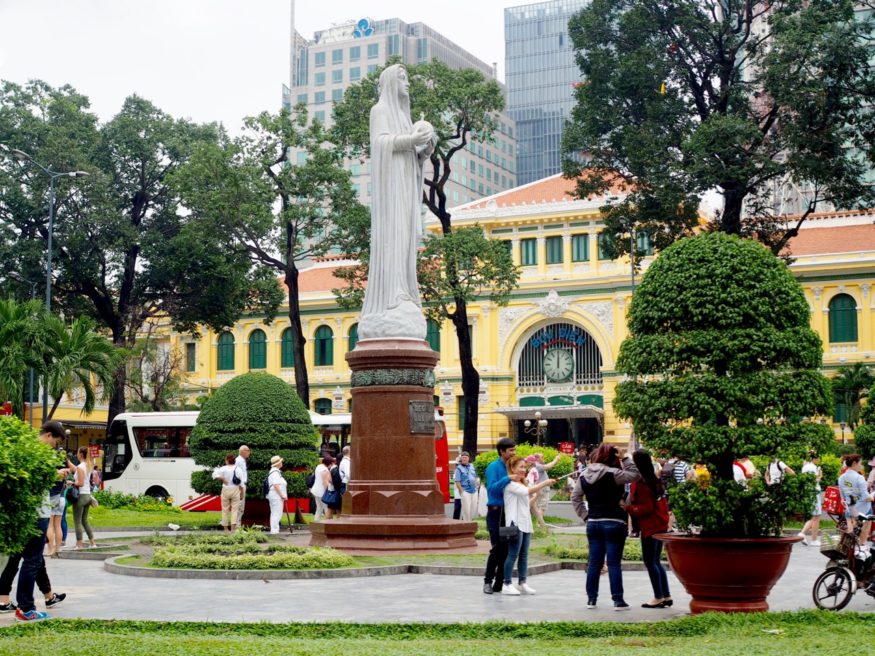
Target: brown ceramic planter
[[728, 575]]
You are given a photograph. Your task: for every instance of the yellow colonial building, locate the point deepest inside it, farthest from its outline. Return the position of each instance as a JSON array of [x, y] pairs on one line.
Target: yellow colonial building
[[553, 348]]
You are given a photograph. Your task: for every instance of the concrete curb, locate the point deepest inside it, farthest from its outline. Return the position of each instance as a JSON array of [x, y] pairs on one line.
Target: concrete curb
[[113, 567], [84, 554]]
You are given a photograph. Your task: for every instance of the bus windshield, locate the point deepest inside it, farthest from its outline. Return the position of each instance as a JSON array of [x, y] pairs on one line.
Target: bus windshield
[[116, 450]]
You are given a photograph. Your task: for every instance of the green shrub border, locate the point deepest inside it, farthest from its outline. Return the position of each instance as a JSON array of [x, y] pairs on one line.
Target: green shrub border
[[743, 623]]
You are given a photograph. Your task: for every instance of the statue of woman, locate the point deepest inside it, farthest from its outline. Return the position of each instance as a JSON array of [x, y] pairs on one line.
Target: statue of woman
[[392, 307]]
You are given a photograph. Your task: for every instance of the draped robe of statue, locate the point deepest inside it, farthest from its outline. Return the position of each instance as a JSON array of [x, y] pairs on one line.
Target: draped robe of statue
[[392, 306]]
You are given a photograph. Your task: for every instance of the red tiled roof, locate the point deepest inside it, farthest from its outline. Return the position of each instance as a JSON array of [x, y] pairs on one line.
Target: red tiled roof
[[318, 279], [838, 239], [548, 190]]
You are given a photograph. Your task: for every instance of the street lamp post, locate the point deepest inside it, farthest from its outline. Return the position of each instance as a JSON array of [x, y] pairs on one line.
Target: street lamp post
[[537, 428], [630, 227], [843, 425], [22, 156], [33, 286]]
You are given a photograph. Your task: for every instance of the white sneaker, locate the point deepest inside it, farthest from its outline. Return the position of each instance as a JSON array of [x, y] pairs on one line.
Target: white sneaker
[[804, 538], [525, 589], [814, 543], [509, 590]]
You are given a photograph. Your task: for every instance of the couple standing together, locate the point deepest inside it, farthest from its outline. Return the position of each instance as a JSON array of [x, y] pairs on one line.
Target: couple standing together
[[606, 510]]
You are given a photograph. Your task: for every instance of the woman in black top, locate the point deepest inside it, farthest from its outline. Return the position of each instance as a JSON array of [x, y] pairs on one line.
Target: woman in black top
[[603, 483]]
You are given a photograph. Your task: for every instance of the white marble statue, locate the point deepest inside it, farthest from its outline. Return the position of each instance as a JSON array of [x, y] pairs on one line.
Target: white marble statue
[[392, 307]]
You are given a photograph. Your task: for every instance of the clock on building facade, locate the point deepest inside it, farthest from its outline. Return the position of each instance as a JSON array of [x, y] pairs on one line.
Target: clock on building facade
[[558, 365]]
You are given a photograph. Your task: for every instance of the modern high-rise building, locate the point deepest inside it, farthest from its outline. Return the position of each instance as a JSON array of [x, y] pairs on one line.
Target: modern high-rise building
[[322, 69], [540, 74]]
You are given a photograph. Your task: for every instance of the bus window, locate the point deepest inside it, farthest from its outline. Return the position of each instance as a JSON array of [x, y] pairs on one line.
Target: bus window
[[164, 442], [116, 450]]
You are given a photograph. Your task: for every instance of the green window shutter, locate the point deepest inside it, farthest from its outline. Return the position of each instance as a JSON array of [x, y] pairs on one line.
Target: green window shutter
[[841, 413], [287, 349], [842, 319], [225, 352], [322, 406], [580, 248], [554, 250], [604, 246], [642, 244], [190, 360], [353, 336], [433, 335], [324, 347], [529, 248], [257, 350], [460, 405]]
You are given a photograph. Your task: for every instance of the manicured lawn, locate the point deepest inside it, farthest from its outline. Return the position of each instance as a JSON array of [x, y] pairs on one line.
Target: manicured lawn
[[101, 517], [808, 632]]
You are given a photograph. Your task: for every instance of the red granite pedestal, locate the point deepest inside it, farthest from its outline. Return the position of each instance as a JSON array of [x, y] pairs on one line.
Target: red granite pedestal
[[393, 502]]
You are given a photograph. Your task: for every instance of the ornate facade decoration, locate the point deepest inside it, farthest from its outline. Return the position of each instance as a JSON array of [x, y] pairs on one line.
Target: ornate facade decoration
[[553, 305], [507, 319], [603, 311]]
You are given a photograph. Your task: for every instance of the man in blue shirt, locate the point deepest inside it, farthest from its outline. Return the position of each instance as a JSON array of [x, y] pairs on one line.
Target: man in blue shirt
[[496, 480]]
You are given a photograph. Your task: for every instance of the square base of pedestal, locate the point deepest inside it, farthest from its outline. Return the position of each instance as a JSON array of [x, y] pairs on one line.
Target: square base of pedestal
[[375, 533]]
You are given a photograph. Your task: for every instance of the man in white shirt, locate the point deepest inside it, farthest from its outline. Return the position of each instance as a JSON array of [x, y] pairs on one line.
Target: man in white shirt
[[242, 473], [344, 468]]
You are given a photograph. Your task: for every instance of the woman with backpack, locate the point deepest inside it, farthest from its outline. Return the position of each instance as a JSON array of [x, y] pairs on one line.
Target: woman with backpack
[[776, 471], [333, 484], [647, 503]]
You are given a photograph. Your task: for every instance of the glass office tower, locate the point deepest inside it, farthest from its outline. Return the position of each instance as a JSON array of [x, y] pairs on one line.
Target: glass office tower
[[540, 74]]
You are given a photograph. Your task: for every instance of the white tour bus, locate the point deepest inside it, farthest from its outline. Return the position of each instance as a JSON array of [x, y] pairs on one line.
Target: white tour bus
[[147, 452]]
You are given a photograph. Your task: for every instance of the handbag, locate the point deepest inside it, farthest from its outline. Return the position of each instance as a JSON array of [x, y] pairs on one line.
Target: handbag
[[330, 497], [72, 494], [508, 533]]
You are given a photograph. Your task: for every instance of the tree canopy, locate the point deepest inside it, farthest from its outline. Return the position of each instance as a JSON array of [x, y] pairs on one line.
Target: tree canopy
[[278, 194], [124, 251], [756, 99]]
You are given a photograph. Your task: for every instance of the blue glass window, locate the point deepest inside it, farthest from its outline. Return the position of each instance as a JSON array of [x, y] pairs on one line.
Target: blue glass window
[[319, 59], [373, 50]]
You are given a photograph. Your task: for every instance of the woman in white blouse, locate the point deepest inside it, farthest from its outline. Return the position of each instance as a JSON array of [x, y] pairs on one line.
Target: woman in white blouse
[[277, 493], [83, 503], [320, 485], [517, 511]]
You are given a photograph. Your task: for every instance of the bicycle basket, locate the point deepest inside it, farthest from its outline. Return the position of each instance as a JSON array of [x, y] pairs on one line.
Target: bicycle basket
[[831, 546]]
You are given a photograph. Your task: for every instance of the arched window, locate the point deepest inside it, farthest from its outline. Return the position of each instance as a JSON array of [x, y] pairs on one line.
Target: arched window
[[287, 349], [225, 352], [322, 406], [257, 350], [353, 336], [433, 335], [842, 319], [324, 347]]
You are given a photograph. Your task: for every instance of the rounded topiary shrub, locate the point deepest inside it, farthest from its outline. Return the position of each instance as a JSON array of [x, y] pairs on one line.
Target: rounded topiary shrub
[[263, 412], [722, 363], [27, 470]]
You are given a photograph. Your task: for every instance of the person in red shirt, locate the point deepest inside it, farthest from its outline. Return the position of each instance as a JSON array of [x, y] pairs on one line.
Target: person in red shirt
[[647, 503]]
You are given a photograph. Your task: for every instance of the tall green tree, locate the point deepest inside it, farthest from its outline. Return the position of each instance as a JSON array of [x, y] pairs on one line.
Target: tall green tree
[[851, 385], [21, 344], [746, 97], [154, 375], [78, 358], [275, 210], [462, 106], [123, 250]]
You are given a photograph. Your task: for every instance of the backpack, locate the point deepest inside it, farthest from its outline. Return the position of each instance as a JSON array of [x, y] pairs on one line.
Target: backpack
[[265, 485], [235, 479], [336, 480], [310, 481]]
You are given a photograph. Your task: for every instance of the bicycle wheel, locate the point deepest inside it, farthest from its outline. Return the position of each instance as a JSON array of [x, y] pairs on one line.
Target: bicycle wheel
[[833, 589]]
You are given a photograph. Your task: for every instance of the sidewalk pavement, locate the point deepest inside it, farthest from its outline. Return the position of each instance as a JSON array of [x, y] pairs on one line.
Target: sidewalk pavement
[[94, 593]]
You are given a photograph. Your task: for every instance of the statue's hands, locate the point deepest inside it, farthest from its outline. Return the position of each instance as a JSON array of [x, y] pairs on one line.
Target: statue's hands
[[423, 133]]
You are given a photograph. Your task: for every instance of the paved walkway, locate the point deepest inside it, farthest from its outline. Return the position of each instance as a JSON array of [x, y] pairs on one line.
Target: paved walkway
[[94, 593]]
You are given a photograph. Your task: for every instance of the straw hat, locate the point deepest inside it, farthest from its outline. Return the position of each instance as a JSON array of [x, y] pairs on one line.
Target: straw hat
[[276, 461]]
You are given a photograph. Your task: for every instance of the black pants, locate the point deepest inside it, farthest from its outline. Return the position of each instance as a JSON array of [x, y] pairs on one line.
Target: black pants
[[457, 506], [498, 553], [11, 569]]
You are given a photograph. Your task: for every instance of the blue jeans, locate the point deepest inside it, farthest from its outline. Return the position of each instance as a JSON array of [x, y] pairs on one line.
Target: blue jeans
[[651, 549], [31, 562], [519, 547], [606, 538]]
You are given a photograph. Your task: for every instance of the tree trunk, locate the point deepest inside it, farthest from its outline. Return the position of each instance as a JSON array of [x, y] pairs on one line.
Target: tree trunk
[[302, 382], [117, 398], [733, 203], [470, 378]]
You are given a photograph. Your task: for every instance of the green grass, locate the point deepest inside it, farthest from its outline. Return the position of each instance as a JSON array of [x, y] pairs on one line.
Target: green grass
[[807, 632], [101, 517]]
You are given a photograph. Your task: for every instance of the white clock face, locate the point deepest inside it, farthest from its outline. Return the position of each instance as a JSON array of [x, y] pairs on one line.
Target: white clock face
[[558, 365]]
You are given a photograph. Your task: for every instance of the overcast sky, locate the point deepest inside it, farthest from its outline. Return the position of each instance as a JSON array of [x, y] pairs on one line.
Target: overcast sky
[[209, 60]]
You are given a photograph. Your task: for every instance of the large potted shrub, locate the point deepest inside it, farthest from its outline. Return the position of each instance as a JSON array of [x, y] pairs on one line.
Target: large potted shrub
[[722, 363], [263, 412]]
